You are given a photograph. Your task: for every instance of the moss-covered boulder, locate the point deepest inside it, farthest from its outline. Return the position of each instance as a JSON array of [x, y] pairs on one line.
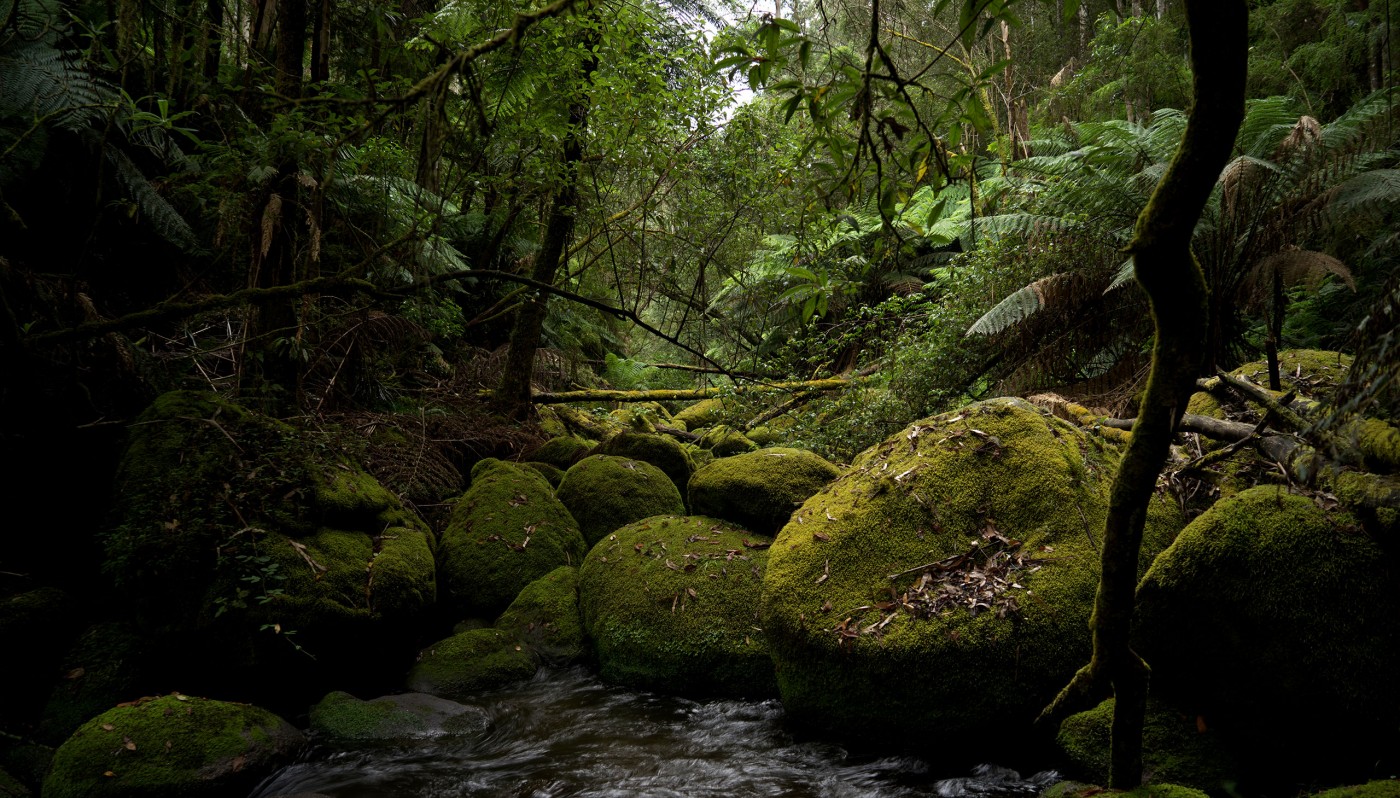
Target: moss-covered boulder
[[561, 420], [1175, 748], [552, 474], [659, 450], [233, 530], [563, 451], [1276, 617], [759, 490], [1381, 788], [506, 531], [545, 616], [604, 492], [707, 412], [172, 747], [940, 590], [407, 716], [670, 604], [470, 662], [725, 441], [1074, 789], [699, 458], [106, 664]]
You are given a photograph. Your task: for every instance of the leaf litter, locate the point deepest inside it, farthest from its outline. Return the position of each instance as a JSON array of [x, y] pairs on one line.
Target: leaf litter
[[979, 580]]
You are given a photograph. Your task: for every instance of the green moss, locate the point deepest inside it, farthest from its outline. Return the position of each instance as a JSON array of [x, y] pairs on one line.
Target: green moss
[[669, 603], [506, 531], [1164, 791], [106, 664], [764, 436], [1204, 404], [706, 412], [552, 474], [470, 662], [342, 717], [175, 746], [545, 616], [225, 514], [1279, 622], [604, 493], [1382, 788], [853, 659], [563, 451], [558, 420], [759, 490], [1311, 372], [725, 441], [11, 788], [699, 458], [659, 450], [1174, 749]]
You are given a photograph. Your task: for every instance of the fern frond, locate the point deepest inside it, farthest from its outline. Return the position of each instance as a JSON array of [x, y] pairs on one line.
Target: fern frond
[[1369, 199], [164, 219], [1023, 303]]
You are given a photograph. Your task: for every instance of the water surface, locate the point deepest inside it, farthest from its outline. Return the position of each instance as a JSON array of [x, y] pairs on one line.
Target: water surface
[[564, 733]]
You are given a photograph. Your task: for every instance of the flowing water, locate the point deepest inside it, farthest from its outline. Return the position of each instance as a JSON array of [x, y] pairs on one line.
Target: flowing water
[[564, 733]]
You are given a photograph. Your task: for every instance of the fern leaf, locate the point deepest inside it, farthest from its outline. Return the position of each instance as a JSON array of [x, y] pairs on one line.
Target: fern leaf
[[166, 221], [1022, 304]]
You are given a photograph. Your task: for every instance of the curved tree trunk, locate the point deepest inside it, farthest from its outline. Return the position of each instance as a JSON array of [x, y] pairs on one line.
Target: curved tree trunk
[[1176, 290]]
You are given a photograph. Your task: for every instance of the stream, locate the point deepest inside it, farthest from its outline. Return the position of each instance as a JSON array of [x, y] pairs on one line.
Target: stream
[[565, 733]]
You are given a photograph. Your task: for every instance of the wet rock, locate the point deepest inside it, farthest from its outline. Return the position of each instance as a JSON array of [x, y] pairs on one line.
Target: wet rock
[[407, 716]]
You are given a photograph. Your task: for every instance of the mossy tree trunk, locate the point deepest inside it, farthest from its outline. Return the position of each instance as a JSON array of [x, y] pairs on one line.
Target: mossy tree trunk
[[512, 396], [1176, 290]]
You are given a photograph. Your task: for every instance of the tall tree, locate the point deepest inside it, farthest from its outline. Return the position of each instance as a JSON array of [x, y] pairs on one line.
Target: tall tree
[[1176, 290]]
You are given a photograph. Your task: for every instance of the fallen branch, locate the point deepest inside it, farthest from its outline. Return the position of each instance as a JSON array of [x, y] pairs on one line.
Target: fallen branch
[[666, 394]]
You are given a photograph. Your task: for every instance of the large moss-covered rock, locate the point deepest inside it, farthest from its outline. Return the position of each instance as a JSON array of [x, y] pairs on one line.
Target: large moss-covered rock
[[545, 617], [1381, 788], [506, 531], [234, 529], [1175, 749], [663, 452], [725, 441], [605, 492], [172, 747], [707, 412], [563, 451], [759, 490], [670, 604], [108, 663], [470, 662], [1276, 617], [940, 591], [407, 716]]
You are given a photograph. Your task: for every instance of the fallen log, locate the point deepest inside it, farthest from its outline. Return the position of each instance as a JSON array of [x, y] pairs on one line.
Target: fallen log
[[666, 395]]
